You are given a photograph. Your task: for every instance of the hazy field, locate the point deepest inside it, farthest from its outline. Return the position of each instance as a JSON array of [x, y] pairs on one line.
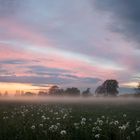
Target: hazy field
[[69, 119]]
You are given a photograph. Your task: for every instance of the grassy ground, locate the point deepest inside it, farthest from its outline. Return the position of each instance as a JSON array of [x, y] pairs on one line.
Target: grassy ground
[[69, 121]]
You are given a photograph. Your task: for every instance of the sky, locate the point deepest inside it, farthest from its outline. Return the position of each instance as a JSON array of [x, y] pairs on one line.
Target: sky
[[69, 43]]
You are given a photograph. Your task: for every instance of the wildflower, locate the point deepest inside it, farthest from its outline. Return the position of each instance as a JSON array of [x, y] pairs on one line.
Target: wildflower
[[56, 113], [100, 122], [90, 119], [116, 122], [128, 137], [43, 117], [64, 116], [53, 128], [6, 117], [95, 123], [33, 127], [76, 124], [106, 121], [58, 124], [123, 127], [98, 128], [83, 119], [48, 118], [138, 129], [40, 125], [63, 132], [76, 127], [97, 136], [124, 115], [93, 129], [83, 123], [103, 117], [58, 118], [133, 133], [127, 124]]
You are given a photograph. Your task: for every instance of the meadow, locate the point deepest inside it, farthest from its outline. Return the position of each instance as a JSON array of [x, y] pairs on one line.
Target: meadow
[[84, 119]]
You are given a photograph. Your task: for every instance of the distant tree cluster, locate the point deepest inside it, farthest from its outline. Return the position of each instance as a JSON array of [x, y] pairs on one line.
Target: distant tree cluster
[[108, 88], [5, 94], [137, 89], [56, 91]]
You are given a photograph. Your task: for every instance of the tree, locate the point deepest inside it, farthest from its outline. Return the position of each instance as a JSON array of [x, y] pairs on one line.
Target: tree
[[6, 94], [108, 88], [53, 90], [100, 90], [17, 93], [137, 89], [29, 94], [42, 93], [72, 91], [22, 93], [56, 91], [61, 92], [86, 92]]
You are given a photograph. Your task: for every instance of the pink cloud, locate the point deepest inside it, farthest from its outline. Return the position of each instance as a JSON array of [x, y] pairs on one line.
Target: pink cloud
[[19, 31]]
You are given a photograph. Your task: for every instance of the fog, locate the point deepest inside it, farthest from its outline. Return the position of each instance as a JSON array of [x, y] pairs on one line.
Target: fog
[[73, 100]]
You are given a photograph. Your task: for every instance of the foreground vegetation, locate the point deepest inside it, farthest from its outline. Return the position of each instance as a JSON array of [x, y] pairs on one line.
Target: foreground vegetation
[[69, 121]]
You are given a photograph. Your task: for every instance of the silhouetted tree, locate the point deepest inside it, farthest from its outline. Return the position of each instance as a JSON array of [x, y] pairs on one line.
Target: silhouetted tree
[[108, 88], [86, 92], [22, 93], [56, 91], [100, 90], [5, 94], [29, 94], [60, 92], [53, 90], [72, 91], [137, 89], [17, 93], [42, 93]]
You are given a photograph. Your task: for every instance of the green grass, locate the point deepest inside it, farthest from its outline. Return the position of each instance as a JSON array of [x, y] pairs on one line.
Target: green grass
[[55, 121]]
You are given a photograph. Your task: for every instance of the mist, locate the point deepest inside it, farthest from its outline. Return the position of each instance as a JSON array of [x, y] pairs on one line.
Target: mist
[[73, 100]]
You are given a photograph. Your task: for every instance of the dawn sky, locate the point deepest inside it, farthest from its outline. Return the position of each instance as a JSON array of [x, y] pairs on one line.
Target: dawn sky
[[69, 43]]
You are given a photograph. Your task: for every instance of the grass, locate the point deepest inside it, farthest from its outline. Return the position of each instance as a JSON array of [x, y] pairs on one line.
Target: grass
[[69, 121]]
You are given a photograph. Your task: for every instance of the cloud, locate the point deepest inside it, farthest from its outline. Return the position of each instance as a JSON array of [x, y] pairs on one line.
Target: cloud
[[125, 15], [42, 80], [33, 79], [67, 42], [90, 80], [9, 8], [43, 69], [13, 61], [39, 70], [5, 72], [42, 85]]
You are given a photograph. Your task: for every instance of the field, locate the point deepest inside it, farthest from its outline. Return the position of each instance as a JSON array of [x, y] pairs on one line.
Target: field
[[97, 119]]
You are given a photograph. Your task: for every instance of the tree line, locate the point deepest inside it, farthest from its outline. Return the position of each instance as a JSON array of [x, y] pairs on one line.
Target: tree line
[[107, 88], [56, 91]]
